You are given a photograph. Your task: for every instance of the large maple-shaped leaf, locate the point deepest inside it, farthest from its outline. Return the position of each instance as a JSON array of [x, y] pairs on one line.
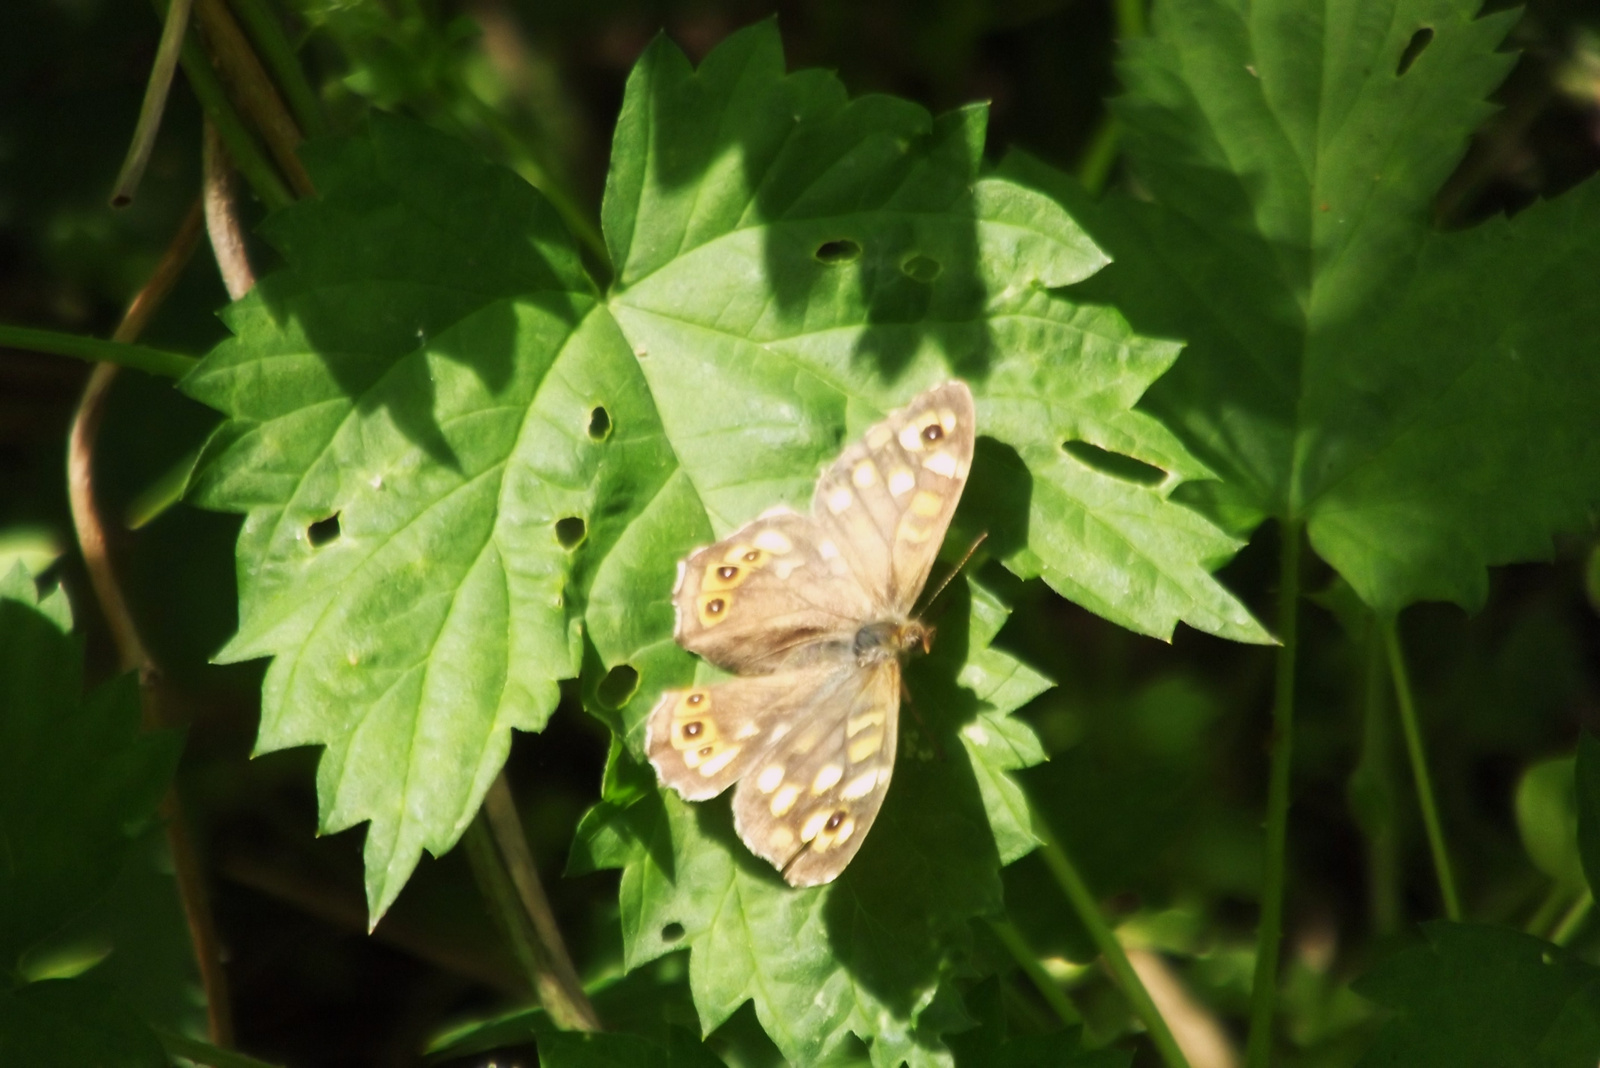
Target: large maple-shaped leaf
[[433, 424], [867, 954], [1476, 996], [792, 263], [1423, 401], [79, 782]]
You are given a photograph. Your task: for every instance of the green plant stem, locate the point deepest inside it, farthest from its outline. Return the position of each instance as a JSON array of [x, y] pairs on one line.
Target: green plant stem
[[242, 147], [139, 357], [266, 34], [1264, 984], [1052, 993], [204, 1052], [154, 105], [1419, 770], [1088, 912], [1094, 166], [1554, 902], [1130, 18], [1373, 789], [1573, 919], [567, 1010]]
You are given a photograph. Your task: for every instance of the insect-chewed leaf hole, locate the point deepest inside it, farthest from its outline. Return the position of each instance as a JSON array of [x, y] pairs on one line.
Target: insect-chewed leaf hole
[[323, 531], [920, 268], [599, 424], [1114, 464], [672, 932], [618, 686], [570, 531], [1414, 48], [842, 251]]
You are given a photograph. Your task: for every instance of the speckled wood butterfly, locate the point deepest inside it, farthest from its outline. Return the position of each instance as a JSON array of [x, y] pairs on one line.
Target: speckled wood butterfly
[[812, 612]]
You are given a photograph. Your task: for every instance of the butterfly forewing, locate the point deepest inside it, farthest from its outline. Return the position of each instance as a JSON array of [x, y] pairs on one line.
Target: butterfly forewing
[[774, 585], [806, 805], [809, 730], [888, 500]]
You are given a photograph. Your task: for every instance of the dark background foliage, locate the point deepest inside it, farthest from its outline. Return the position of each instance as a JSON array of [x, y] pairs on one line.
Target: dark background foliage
[[1157, 773]]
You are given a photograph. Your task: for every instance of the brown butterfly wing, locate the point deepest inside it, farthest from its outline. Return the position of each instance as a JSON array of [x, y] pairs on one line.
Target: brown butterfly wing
[[750, 602], [703, 739], [888, 500], [807, 803]]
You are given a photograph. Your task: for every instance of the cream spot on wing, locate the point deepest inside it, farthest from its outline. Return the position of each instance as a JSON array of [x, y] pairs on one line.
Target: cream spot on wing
[[840, 499], [857, 724], [779, 730], [770, 779], [962, 468], [926, 504], [912, 530], [827, 549], [842, 835], [864, 474], [900, 482], [749, 730], [911, 437], [827, 778], [786, 565], [860, 786], [807, 741], [947, 419], [781, 839], [720, 761], [942, 463], [773, 541], [879, 436], [865, 746], [784, 799], [814, 824]]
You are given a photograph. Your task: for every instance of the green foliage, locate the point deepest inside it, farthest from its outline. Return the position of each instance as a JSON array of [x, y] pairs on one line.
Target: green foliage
[[1478, 995], [74, 1021], [1421, 400]]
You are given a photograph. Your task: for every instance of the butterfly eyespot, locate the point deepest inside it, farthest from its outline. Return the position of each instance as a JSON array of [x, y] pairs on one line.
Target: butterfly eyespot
[[692, 730], [706, 751], [726, 572], [932, 432], [715, 606], [752, 556], [834, 821], [697, 698]]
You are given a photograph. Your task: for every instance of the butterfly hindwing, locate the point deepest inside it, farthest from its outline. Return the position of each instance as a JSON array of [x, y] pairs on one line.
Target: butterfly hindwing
[[888, 499], [807, 803]]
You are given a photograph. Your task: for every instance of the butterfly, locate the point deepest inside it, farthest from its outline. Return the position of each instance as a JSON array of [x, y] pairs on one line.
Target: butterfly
[[812, 613]]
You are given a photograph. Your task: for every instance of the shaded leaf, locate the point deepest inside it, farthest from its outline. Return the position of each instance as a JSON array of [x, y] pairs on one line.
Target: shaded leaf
[[76, 1022]]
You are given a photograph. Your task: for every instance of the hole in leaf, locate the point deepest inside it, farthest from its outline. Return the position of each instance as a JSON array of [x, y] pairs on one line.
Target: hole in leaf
[[570, 531], [618, 686], [841, 251], [672, 932], [599, 424], [1114, 464], [920, 268], [1414, 48], [323, 531]]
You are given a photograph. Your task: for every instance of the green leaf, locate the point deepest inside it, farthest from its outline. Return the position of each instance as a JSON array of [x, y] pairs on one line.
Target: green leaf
[[1423, 401], [66, 831], [434, 430], [1476, 995], [76, 1022], [1547, 819], [792, 263], [569, 1050]]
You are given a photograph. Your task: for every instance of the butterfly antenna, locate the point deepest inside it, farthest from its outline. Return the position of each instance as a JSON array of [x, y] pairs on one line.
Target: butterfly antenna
[[956, 571]]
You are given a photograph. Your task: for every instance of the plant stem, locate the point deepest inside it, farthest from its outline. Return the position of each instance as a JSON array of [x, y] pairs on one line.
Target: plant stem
[[1264, 985], [139, 357], [1419, 770], [528, 924], [134, 654], [1052, 993], [1088, 912], [266, 33], [154, 105], [204, 1052], [222, 215], [1573, 919]]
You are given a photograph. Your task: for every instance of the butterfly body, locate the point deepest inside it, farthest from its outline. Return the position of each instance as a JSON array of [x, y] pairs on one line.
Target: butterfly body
[[813, 615]]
